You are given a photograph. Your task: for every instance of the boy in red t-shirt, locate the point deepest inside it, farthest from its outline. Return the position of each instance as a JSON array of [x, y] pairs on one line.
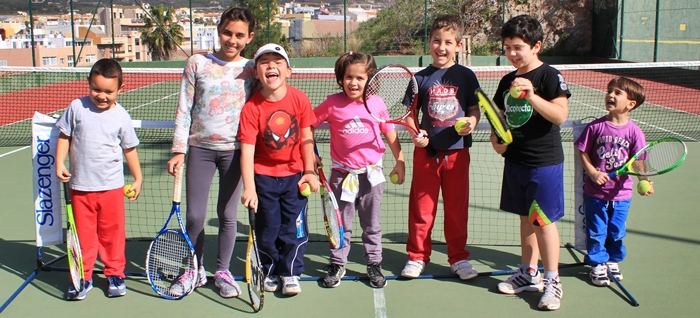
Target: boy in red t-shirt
[[277, 156]]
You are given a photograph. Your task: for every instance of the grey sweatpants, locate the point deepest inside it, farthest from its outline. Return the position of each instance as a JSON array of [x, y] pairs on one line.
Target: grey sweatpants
[[368, 207], [201, 165]]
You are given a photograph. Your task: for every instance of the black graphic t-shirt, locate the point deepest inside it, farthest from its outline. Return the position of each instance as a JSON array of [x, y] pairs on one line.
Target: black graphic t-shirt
[[443, 96], [536, 141]]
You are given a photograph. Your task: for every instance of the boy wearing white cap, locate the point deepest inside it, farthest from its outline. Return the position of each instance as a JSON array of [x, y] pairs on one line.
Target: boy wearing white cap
[[277, 157]]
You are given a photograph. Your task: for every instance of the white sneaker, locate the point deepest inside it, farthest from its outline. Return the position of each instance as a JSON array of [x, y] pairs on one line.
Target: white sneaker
[[290, 285], [271, 284], [413, 269], [521, 281], [553, 292], [464, 270], [599, 275], [614, 269]]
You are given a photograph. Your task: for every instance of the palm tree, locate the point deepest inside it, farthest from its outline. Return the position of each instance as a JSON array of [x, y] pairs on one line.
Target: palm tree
[[161, 32]]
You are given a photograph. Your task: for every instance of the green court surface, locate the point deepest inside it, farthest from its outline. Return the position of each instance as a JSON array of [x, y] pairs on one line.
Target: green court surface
[[662, 240]]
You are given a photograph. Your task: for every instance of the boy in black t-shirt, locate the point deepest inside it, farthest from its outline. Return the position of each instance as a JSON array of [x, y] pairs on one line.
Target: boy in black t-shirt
[[533, 175]]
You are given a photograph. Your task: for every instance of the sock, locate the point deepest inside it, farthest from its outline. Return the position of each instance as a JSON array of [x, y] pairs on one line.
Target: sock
[[551, 274], [529, 268]]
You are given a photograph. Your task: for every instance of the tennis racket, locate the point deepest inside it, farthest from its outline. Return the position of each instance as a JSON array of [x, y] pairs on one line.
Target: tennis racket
[[494, 116], [657, 157], [171, 265], [75, 256], [254, 275], [394, 86], [331, 213]]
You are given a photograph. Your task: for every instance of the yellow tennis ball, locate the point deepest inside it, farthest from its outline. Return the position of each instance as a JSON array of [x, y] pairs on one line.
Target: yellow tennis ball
[[515, 92], [305, 189], [394, 178], [460, 124], [643, 186], [129, 191]]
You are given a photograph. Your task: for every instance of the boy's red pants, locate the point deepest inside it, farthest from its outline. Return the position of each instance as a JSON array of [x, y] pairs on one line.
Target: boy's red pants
[[449, 171], [99, 220]]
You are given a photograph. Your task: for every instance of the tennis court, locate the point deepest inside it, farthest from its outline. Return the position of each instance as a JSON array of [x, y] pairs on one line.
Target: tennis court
[[660, 228]]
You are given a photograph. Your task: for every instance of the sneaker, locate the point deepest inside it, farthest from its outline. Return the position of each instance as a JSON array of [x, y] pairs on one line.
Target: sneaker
[[334, 275], [599, 275], [117, 287], [551, 299], [227, 285], [376, 278], [413, 269], [614, 269], [72, 294], [290, 285], [178, 288], [464, 270], [521, 281], [271, 284]]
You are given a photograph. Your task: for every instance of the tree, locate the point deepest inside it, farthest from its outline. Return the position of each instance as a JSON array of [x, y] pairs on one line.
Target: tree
[[263, 33], [162, 33]]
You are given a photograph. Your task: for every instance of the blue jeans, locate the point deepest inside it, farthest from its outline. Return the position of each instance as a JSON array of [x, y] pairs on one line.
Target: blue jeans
[[605, 226]]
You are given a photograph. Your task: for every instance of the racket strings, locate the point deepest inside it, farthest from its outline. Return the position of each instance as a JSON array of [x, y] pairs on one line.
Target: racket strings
[[254, 276], [75, 260], [392, 86], [170, 263], [660, 157], [333, 226]]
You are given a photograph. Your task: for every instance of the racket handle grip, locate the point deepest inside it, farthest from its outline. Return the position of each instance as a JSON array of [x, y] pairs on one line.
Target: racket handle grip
[[613, 175]]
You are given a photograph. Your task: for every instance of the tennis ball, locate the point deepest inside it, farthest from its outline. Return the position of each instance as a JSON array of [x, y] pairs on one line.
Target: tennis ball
[[515, 92], [305, 189], [394, 178], [643, 186], [460, 124], [129, 191]]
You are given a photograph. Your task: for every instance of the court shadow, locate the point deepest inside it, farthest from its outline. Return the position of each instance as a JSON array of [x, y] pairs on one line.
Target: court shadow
[[20, 258]]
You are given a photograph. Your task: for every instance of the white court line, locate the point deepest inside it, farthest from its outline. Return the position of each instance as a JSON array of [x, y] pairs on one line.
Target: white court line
[[13, 151], [379, 303]]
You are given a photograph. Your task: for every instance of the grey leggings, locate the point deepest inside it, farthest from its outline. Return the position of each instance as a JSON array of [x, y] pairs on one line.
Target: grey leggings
[[201, 165]]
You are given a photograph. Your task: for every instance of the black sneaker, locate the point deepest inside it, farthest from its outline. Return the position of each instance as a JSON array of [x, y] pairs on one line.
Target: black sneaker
[[335, 274], [376, 278]]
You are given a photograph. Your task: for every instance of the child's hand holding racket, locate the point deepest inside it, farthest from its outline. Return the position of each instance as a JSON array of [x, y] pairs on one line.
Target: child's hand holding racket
[[497, 145], [421, 140], [599, 177]]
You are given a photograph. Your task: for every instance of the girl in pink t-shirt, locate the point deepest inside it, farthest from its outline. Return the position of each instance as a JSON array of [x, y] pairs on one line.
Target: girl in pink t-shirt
[[357, 177]]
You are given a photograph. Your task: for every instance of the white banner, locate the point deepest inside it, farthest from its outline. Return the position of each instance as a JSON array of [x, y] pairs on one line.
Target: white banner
[[47, 188], [580, 221]]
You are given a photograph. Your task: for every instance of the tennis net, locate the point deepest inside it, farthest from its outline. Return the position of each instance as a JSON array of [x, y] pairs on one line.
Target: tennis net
[[672, 107]]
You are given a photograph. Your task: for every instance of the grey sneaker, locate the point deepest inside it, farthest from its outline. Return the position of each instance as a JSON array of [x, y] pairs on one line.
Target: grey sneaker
[[614, 269], [199, 278], [227, 284], [376, 278], [117, 287], [72, 294], [334, 275], [521, 281], [553, 292], [599, 275], [290, 285], [271, 284], [464, 270]]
